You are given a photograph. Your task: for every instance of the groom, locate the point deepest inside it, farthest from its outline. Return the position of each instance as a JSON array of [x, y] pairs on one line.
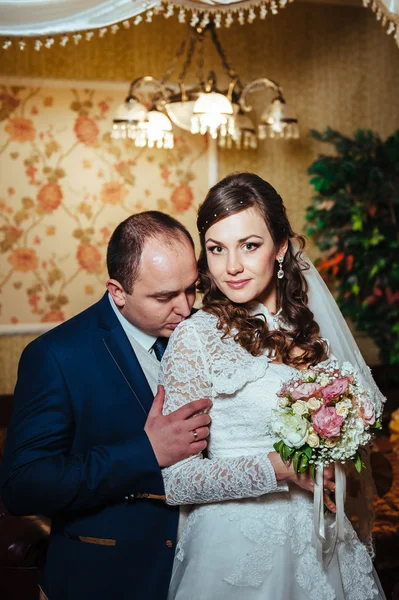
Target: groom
[[86, 442]]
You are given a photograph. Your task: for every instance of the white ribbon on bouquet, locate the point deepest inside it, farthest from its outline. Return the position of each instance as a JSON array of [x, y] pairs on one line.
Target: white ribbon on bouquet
[[326, 548]]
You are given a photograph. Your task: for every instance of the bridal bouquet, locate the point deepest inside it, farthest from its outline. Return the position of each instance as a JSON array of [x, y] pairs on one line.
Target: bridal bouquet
[[323, 416]]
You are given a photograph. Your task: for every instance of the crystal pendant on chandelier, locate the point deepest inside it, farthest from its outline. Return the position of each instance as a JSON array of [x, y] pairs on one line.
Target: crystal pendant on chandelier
[[278, 121], [244, 136], [213, 113], [155, 131], [127, 117]]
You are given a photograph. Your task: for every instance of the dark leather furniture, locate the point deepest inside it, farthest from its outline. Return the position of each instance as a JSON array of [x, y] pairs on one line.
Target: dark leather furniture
[[23, 540]]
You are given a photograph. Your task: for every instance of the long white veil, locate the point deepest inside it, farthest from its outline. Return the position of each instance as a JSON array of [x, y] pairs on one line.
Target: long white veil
[[333, 327]]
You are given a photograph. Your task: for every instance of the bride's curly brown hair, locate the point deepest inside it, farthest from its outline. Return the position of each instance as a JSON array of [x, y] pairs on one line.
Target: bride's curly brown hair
[[299, 342]]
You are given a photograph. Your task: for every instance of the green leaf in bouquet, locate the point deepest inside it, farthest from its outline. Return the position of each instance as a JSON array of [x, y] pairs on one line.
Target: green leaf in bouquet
[[278, 446], [313, 471], [304, 463], [359, 464], [295, 462], [287, 452], [308, 451]]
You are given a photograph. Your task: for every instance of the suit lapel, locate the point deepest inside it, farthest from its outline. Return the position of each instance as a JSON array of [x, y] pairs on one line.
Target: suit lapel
[[122, 354]]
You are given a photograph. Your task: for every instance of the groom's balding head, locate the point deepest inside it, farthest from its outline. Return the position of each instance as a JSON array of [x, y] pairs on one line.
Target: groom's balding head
[[153, 271]]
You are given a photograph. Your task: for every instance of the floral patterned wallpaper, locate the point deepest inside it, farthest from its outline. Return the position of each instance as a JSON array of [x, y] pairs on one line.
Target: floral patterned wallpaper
[[65, 185]]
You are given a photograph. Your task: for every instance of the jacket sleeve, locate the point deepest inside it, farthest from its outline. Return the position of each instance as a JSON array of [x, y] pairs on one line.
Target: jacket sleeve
[[185, 376], [40, 473]]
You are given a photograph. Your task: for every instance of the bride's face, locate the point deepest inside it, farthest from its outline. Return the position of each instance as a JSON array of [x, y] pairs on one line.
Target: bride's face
[[241, 257]]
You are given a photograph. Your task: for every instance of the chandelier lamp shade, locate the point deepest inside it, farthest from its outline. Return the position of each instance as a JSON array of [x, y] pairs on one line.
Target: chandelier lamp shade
[[147, 126], [152, 105]]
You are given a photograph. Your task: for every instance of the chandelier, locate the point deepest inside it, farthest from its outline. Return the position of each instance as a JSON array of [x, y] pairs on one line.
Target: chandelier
[[147, 114]]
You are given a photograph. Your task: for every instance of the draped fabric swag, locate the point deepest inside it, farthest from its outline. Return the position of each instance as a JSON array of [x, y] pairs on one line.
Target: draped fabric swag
[[25, 18]]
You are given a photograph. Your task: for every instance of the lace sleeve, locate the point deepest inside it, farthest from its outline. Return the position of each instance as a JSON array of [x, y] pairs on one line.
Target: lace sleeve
[[185, 374]]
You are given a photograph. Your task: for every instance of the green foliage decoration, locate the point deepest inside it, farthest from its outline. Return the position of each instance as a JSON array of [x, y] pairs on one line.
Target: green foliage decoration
[[354, 219]]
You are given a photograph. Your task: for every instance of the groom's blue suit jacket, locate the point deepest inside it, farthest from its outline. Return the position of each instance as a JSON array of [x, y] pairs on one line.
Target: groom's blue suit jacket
[[77, 452]]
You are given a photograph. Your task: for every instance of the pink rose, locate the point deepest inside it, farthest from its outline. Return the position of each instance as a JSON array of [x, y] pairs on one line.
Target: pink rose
[[334, 389], [326, 422], [367, 412], [305, 390], [285, 389]]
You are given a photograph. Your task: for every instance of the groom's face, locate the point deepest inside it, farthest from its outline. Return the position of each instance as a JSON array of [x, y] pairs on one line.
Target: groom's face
[[164, 292]]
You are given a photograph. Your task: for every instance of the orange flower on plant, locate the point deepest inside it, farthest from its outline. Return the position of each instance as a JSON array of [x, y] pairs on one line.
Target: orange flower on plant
[[372, 211], [24, 259], [88, 257], [50, 196], [53, 316], [86, 130], [182, 197], [331, 263], [113, 192], [392, 297], [21, 130], [349, 262]]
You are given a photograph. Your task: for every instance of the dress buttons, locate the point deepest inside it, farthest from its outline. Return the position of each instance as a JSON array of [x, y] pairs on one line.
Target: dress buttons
[[169, 543]]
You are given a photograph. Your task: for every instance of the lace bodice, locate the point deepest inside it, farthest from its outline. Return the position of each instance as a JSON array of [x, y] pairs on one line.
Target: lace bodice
[[200, 363]]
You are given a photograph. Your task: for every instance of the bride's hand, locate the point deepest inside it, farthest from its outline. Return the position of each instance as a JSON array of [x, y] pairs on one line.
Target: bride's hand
[[285, 472]]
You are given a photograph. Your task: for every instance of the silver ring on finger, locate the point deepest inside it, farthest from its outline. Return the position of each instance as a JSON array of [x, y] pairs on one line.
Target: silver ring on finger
[[195, 433]]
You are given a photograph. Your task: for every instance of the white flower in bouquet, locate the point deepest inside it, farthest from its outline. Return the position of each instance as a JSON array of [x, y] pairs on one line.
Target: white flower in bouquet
[[308, 375], [292, 429], [324, 380], [313, 440], [283, 402], [330, 442], [343, 407], [300, 407], [314, 404]]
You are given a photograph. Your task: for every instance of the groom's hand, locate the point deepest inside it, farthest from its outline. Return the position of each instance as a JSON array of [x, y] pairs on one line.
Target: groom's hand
[[178, 435]]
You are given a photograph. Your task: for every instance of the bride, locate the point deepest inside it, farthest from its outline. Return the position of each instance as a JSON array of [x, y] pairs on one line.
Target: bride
[[248, 534]]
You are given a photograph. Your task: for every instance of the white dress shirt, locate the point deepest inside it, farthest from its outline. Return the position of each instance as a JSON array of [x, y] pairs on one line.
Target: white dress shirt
[[142, 345]]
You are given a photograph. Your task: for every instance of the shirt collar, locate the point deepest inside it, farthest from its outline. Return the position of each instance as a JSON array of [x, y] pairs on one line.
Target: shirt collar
[[144, 339]]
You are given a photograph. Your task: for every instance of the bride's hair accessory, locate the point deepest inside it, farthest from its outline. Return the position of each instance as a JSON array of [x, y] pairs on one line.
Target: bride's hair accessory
[[215, 217], [280, 272]]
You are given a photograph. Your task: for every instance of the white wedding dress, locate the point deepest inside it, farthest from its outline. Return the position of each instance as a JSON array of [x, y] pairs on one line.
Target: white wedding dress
[[246, 537]]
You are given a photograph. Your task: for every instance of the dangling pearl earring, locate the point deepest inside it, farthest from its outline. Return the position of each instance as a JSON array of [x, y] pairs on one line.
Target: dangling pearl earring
[[280, 272]]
